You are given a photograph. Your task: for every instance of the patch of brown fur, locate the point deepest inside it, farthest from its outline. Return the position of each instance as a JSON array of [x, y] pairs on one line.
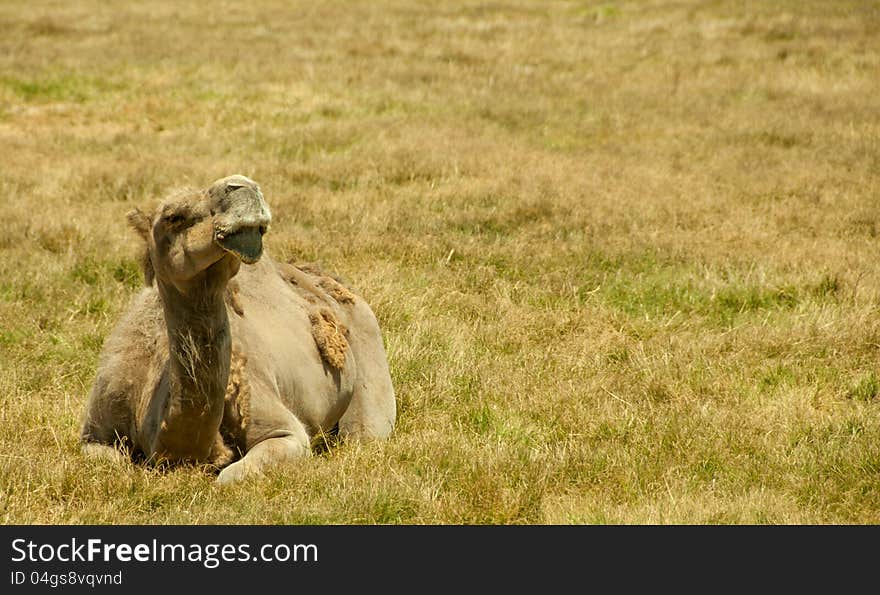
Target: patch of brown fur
[[301, 282], [331, 284], [238, 389], [236, 411], [232, 298], [336, 290], [329, 336]]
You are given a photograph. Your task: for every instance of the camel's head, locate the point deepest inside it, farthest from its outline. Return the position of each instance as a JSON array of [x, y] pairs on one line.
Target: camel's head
[[201, 238]]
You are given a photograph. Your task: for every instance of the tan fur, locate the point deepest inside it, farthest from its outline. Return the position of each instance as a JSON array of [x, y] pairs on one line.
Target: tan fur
[[329, 335], [232, 299], [238, 391], [336, 290]]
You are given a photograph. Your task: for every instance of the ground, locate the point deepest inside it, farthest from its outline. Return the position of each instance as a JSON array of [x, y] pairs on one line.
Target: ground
[[624, 254]]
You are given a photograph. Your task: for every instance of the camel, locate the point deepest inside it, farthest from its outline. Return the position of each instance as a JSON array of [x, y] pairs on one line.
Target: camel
[[227, 357]]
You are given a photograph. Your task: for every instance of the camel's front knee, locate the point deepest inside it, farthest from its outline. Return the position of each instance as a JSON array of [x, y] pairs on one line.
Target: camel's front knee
[[265, 454]]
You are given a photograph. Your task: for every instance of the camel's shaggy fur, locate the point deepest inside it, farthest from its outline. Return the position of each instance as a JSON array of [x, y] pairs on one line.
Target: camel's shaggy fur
[[336, 290], [329, 336], [232, 299]]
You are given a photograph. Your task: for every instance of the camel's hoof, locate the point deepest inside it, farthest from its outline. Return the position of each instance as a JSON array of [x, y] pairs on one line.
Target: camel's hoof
[[234, 473]]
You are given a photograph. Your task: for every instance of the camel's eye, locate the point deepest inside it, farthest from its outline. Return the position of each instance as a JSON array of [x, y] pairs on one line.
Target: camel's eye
[[179, 216], [175, 219], [232, 187]]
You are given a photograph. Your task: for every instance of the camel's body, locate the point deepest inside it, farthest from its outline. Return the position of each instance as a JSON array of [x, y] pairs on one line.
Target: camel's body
[[305, 356]]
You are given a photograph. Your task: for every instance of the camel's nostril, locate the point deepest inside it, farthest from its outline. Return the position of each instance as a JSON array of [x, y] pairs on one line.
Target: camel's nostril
[[263, 230]]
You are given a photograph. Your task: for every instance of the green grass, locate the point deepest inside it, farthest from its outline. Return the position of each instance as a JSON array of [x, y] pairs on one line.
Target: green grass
[[623, 254]]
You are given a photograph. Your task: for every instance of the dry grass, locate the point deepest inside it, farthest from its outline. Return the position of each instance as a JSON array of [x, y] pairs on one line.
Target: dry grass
[[624, 253]]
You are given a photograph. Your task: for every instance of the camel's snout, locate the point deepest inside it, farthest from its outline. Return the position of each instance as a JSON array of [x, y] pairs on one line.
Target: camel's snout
[[242, 234], [241, 218]]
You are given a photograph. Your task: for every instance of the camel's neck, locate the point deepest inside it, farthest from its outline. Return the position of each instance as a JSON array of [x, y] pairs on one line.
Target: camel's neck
[[199, 348]]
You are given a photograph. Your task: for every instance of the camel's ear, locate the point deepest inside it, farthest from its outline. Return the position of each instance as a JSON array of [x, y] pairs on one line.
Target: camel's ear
[[141, 224], [147, 266]]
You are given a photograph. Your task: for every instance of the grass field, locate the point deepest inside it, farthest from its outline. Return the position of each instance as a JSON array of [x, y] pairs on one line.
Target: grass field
[[624, 253]]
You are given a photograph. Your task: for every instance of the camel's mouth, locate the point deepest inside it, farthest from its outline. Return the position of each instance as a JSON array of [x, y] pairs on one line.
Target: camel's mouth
[[246, 243]]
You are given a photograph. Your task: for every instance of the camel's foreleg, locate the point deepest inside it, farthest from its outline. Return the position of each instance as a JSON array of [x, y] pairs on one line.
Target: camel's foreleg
[[266, 454]]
